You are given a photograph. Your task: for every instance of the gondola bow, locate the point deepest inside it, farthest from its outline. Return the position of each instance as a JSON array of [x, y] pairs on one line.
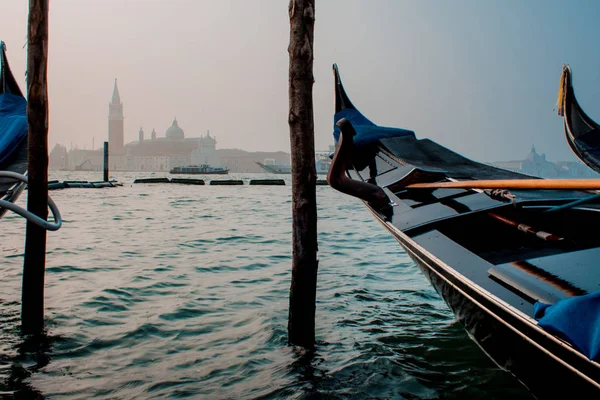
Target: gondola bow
[[582, 133], [514, 258]]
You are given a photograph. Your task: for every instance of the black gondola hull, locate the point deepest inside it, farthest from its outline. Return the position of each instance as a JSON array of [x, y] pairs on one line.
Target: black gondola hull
[[515, 345], [499, 259]]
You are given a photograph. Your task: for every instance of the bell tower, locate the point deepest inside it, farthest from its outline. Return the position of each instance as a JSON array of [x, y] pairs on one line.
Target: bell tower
[[115, 122]]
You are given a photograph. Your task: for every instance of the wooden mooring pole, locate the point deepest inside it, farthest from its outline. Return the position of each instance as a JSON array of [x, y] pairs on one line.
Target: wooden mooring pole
[[105, 161], [32, 297], [303, 290]]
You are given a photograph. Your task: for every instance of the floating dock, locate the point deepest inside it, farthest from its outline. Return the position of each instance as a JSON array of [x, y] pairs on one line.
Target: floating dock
[[54, 185], [152, 180], [185, 181], [229, 182], [226, 182], [269, 182]]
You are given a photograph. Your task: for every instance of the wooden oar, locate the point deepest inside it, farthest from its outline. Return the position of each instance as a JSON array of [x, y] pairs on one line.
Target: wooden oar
[[549, 237], [573, 204], [553, 184]]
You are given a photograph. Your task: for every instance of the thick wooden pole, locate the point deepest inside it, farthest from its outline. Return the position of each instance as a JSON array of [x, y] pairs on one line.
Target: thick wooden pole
[[32, 311], [105, 161], [303, 290]]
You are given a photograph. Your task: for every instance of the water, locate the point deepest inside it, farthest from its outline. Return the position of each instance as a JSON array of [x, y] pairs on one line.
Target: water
[[171, 291]]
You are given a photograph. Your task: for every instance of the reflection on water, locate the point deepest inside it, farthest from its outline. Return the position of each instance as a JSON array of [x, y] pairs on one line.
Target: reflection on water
[[165, 290]]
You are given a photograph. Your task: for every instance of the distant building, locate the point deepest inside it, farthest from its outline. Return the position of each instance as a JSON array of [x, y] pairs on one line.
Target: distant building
[[86, 160], [116, 128], [537, 165], [59, 157], [173, 150], [575, 170], [154, 154], [237, 160]]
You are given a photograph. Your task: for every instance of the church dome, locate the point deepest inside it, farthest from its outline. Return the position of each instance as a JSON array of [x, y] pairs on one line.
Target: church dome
[[208, 139], [175, 132]]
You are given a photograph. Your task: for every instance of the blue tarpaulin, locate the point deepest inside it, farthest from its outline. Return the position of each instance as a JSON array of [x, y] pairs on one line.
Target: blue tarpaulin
[[366, 131], [13, 123], [576, 319]]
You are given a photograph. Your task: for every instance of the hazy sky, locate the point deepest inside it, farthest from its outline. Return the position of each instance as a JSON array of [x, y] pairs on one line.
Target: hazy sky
[[478, 76]]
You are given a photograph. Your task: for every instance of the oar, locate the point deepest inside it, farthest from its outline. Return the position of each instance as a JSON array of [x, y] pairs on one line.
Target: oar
[[549, 237], [575, 203], [536, 184]]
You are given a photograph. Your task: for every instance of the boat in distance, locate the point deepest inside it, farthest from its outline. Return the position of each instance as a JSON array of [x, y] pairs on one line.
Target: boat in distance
[[203, 169], [518, 267], [269, 165], [13, 133]]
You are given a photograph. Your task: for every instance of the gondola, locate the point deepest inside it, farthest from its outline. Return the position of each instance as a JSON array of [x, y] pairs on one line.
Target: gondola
[[583, 134], [514, 257], [13, 133]]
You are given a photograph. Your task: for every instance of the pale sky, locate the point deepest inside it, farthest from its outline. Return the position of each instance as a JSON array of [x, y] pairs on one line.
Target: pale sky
[[478, 76]]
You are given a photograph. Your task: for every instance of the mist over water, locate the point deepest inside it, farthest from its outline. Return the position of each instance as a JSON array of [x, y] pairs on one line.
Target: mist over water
[[169, 291], [478, 77]]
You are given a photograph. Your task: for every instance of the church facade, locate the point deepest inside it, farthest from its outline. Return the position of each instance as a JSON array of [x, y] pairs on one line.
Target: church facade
[[173, 150], [145, 154], [156, 153]]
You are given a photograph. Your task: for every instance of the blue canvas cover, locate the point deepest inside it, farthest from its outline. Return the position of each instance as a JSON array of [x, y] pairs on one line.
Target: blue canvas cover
[[576, 319], [13, 123], [366, 131], [367, 135]]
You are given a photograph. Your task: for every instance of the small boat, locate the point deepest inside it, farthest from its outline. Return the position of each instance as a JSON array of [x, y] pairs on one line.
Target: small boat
[[321, 166], [515, 258], [272, 167], [583, 134], [13, 133], [203, 169]]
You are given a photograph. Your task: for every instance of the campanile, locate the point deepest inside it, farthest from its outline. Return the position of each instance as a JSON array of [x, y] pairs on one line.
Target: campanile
[[115, 123]]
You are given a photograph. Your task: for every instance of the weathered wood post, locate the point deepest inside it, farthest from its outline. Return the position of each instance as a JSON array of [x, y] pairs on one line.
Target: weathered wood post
[[303, 290], [32, 297], [105, 161]]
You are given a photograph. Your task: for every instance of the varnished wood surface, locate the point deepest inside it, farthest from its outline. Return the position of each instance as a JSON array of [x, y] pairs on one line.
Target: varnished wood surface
[[552, 184]]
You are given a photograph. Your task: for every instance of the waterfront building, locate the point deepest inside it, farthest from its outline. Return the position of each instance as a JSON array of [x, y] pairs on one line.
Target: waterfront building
[[173, 150], [536, 165], [154, 154], [236, 160]]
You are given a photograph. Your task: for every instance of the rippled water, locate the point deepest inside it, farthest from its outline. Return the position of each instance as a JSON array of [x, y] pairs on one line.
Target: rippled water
[[171, 291]]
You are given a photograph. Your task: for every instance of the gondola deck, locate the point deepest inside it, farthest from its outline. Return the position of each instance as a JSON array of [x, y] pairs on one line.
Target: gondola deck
[[491, 255]]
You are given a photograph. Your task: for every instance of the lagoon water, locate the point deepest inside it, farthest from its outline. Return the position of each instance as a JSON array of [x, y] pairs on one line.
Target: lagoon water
[[171, 291]]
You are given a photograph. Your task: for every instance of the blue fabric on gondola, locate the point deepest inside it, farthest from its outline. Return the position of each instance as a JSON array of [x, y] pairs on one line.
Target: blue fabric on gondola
[[576, 319], [13, 123], [366, 131]]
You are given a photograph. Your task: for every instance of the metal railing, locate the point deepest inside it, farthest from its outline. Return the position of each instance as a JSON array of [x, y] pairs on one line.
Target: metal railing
[[26, 214]]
